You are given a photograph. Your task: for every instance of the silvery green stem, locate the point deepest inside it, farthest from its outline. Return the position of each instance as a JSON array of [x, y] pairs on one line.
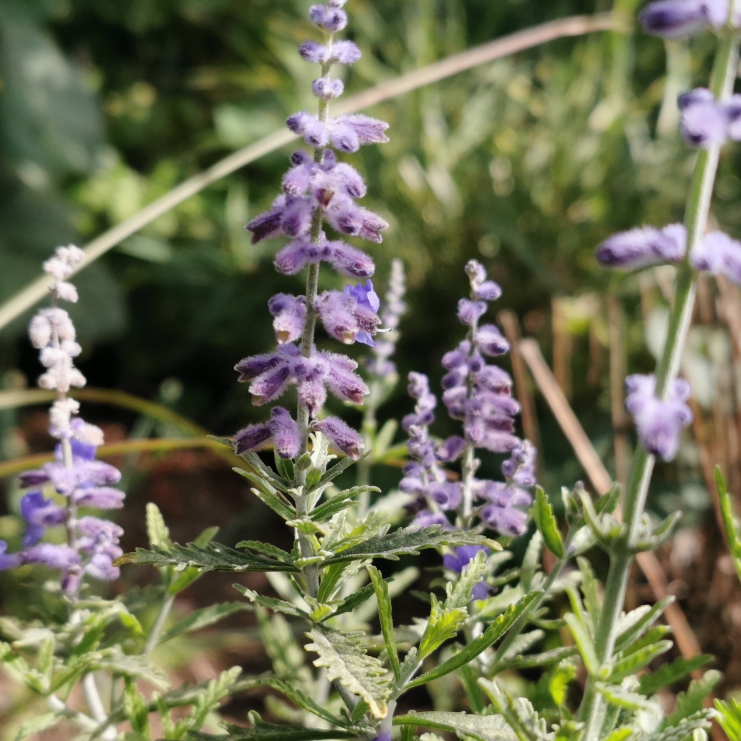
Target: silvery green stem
[[162, 616], [92, 697], [698, 206], [307, 345]]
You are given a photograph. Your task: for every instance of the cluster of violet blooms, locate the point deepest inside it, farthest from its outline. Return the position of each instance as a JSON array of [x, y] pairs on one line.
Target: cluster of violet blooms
[[705, 122], [316, 190], [75, 475], [480, 395]]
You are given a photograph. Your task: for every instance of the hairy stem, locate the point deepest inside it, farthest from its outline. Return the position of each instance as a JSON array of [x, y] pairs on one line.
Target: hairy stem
[[303, 415], [159, 624], [698, 206]]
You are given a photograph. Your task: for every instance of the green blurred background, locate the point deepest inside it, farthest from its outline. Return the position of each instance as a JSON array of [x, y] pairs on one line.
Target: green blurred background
[[525, 164]]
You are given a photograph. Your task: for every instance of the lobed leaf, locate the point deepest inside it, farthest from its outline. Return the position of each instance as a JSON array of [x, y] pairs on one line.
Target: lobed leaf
[[213, 557], [671, 673], [478, 645], [408, 541], [625, 666], [349, 664], [442, 625], [464, 725], [519, 714], [690, 702], [302, 700]]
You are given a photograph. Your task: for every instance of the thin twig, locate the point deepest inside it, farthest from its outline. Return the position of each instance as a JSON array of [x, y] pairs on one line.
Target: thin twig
[[516, 42], [602, 481]]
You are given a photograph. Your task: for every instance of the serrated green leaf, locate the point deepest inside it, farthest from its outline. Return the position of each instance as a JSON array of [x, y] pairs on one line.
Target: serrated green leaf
[[266, 549], [730, 525], [584, 642], [272, 732], [136, 710], [442, 625], [286, 655], [202, 618], [271, 603], [691, 702], [157, 531], [684, 728], [384, 614], [638, 622], [268, 494], [590, 590], [622, 698], [265, 472], [546, 523], [302, 700], [408, 541], [671, 673], [332, 473], [358, 597], [522, 644], [519, 713], [347, 662], [608, 502], [478, 645], [341, 501], [636, 660], [538, 660], [729, 718], [134, 666], [37, 725], [213, 557], [464, 725], [531, 560]]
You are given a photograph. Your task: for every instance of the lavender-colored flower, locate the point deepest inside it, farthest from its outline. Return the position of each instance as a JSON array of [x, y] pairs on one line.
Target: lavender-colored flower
[[719, 255], [330, 19], [351, 315], [659, 423], [490, 340], [290, 315], [8, 560], [639, 248], [675, 18], [341, 435], [704, 121], [39, 513]]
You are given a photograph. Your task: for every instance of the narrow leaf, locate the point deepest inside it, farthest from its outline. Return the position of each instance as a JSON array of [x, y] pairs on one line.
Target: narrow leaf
[[407, 541], [637, 660], [547, 523], [341, 501], [157, 531], [519, 713], [202, 619], [384, 615], [302, 700], [671, 673], [37, 724], [639, 621], [272, 732], [478, 645], [584, 642], [464, 725], [691, 702]]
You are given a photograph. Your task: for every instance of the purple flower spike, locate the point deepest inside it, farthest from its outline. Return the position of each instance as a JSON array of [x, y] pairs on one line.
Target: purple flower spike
[[341, 435], [290, 315], [639, 248], [490, 341], [446, 496], [659, 423], [100, 497], [39, 513]]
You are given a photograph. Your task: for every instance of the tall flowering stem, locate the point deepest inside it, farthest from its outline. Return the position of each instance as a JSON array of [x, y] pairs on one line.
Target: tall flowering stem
[[317, 190], [696, 217]]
